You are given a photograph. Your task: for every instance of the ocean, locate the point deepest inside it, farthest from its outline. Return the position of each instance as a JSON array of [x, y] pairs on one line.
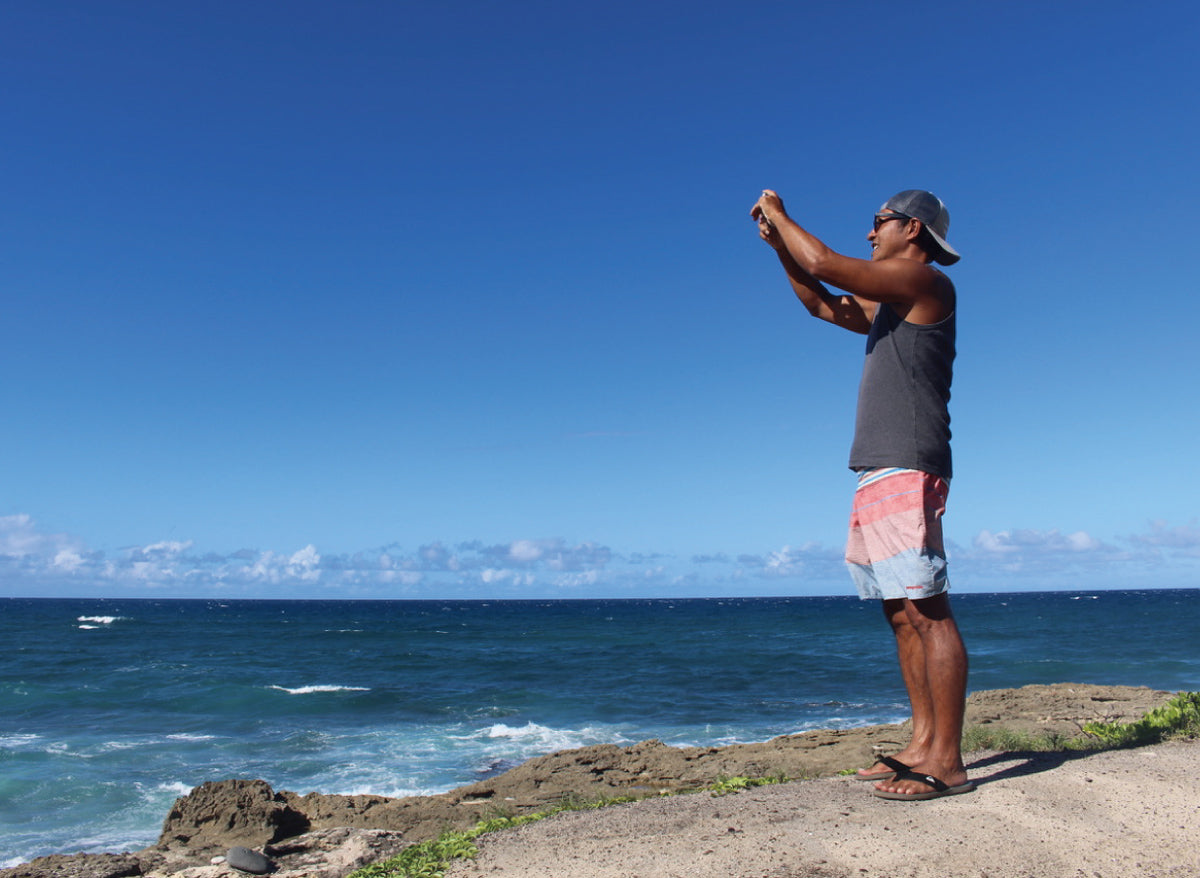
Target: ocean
[[110, 709]]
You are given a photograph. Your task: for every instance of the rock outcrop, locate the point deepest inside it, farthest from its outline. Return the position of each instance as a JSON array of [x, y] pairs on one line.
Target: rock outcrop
[[80, 866], [219, 815]]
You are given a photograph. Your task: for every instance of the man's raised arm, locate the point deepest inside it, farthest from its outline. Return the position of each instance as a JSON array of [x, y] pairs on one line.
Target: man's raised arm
[[908, 282], [844, 311]]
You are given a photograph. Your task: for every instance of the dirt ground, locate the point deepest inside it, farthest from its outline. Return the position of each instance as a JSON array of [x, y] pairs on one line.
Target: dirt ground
[[1111, 814]]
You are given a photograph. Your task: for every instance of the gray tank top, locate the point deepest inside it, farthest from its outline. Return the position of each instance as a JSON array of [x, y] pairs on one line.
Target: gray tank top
[[903, 401]]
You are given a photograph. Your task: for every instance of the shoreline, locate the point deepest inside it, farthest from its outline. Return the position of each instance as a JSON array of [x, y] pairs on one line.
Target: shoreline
[[342, 832]]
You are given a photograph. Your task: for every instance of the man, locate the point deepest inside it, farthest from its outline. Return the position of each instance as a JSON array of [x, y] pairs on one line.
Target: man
[[901, 452]]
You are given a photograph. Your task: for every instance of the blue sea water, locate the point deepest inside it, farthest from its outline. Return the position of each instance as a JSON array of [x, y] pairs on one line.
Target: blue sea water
[[110, 709]]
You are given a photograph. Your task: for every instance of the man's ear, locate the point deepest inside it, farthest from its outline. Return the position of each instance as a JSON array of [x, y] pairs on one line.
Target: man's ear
[[913, 230]]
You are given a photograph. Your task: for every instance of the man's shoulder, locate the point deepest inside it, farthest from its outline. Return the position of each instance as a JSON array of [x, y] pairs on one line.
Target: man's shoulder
[[933, 296], [941, 278]]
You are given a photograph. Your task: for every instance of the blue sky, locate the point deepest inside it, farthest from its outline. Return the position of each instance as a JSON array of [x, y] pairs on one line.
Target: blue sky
[[369, 299]]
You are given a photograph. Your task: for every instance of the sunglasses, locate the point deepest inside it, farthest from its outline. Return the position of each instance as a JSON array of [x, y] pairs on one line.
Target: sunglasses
[[881, 218]]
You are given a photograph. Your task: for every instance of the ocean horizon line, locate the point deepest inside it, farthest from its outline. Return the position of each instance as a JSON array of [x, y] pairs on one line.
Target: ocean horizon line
[[581, 599]]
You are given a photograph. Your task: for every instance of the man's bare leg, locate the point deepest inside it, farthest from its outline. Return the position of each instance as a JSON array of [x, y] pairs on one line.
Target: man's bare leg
[[911, 654], [943, 658]]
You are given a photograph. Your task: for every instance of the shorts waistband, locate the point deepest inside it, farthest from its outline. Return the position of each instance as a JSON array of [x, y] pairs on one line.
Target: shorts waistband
[[870, 476]]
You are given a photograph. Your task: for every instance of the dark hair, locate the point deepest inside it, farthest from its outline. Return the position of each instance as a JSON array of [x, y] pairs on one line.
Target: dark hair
[[925, 241]]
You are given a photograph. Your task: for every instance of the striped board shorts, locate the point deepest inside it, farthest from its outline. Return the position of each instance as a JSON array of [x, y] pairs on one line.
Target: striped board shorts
[[895, 549]]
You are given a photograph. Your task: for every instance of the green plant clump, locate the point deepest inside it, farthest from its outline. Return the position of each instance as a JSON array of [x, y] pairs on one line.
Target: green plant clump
[[1010, 741], [429, 859], [726, 785], [1178, 718]]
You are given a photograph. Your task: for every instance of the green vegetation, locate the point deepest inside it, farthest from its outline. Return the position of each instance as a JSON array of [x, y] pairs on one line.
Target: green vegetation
[[574, 802], [1007, 740], [429, 859], [1178, 718], [726, 785]]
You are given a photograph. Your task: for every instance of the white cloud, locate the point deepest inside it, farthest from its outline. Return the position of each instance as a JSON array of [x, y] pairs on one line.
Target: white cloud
[[525, 551], [494, 576], [67, 561], [436, 557], [304, 565], [1082, 542], [986, 541], [37, 562], [811, 562], [1184, 538], [1051, 541], [19, 537], [578, 580], [786, 562], [167, 549], [1031, 554]]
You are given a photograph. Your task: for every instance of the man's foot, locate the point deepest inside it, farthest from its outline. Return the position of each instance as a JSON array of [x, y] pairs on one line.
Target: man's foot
[[924, 786], [885, 768]]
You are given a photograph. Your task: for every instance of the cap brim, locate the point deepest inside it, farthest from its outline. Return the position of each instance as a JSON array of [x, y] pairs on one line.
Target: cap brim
[[949, 255]]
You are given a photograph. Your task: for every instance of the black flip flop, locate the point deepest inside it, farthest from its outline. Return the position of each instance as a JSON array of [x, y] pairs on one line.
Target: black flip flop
[[939, 788]]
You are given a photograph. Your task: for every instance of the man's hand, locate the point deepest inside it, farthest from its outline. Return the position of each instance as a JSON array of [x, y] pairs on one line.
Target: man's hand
[[768, 206], [765, 210]]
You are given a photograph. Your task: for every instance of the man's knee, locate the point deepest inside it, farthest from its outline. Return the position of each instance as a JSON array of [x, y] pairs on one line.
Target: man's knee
[[895, 611], [927, 613]]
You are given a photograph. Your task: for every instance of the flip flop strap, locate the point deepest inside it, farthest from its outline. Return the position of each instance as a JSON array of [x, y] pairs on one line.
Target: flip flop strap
[[929, 779]]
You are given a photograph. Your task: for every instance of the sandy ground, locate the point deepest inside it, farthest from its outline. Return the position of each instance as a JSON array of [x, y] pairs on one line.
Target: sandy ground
[[1115, 814]]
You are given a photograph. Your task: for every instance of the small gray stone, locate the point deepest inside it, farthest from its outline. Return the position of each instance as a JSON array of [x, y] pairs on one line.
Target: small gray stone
[[246, 860]]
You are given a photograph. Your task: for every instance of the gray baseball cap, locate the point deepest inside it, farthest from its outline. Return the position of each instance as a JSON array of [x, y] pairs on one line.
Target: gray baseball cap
[[929, 209]]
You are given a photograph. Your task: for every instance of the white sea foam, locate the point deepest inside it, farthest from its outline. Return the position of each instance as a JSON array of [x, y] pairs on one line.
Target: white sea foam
[[533, 738], [119, 837], [184, 736], [177, 787], [99, 620], [14, 741], [392, 792], [308, 690], [126, 744], [529, 730]]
